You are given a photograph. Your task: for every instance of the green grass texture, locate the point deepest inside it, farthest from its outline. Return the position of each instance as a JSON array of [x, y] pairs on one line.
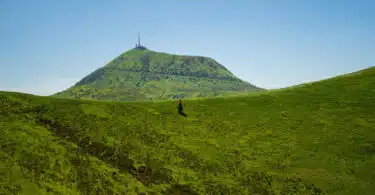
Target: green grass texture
[[314, 138]]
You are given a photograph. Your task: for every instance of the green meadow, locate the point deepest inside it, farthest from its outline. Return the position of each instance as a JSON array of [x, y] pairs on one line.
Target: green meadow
[[315, 138]]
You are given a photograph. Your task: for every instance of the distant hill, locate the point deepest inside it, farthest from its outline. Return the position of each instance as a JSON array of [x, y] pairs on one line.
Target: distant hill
[[142, 74], [315, 138]]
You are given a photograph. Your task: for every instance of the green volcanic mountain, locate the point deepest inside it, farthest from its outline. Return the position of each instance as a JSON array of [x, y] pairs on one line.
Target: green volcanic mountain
[[142, 74]]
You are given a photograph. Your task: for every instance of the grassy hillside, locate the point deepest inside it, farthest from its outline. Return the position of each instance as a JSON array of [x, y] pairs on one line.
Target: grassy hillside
[[149, 75], [318, 138]]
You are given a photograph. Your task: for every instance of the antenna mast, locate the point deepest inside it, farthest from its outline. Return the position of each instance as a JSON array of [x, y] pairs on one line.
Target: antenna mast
[[139, 40], [138, 45]]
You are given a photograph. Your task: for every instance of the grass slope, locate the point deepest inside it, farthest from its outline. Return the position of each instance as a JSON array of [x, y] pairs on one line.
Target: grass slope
[[317, 138], [149, 75]]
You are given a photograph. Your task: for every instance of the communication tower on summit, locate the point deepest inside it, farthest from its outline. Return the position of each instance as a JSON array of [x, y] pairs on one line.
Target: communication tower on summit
[[138, 45]]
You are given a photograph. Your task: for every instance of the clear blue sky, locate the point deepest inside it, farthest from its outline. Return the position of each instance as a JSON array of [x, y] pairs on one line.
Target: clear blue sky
[[47, 46]]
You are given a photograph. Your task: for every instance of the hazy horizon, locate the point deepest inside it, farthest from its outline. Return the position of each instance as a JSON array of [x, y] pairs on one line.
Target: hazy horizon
[[49, 46]]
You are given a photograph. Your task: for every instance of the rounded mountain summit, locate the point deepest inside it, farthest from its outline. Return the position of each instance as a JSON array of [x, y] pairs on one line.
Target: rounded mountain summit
[[142, 74]]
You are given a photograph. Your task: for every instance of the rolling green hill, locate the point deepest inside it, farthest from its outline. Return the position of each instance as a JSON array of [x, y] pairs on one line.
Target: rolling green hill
[[142, 74], [316, 138]]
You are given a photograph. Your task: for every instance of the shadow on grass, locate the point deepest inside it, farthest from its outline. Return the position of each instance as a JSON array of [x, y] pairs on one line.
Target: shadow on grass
[[109, 155], [144, 174], [257, 183]]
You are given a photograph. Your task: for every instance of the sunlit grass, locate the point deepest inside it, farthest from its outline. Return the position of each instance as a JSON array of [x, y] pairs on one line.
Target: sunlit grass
[[310, 139]]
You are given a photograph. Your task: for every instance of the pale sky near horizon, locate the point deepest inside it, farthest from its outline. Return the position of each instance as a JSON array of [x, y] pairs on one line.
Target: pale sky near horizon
[[47, 46]]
